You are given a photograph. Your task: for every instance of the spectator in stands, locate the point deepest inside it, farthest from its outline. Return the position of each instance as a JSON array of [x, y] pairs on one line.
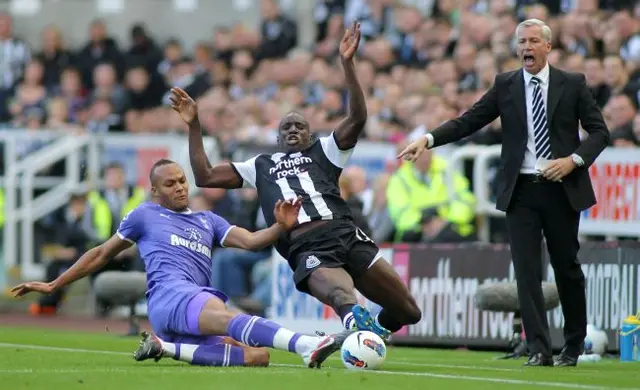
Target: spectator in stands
[[102, 118], [594, 73], [382, 226], [279, 34], [628, 29], [72, 237], [107, 209], [72, 91], [354, 203], [58, 116], [14, 58], [141, 93], [616, 77], [173, 52], [54, 56], [619, 113], [422, 207], [100, 49], [30, 95], [143, 51], [106, 86]]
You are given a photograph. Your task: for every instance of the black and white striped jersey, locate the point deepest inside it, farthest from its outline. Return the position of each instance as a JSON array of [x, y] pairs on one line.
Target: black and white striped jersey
[[311, 173]]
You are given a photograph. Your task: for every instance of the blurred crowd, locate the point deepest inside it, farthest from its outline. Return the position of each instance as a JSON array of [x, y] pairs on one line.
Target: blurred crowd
[[417, 66]]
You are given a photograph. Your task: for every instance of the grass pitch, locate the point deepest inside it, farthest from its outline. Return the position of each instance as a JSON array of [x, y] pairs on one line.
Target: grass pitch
[[32, 358]]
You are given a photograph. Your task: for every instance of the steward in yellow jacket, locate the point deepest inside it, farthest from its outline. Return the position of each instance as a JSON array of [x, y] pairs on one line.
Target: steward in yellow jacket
[[422, 206]]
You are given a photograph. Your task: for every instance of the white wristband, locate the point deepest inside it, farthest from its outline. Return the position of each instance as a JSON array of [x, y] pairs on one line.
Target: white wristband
[[429, 138]]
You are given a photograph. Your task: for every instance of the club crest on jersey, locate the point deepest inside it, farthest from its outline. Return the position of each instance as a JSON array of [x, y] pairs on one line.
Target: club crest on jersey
[[290, 166], [192, 242], [204, 222]]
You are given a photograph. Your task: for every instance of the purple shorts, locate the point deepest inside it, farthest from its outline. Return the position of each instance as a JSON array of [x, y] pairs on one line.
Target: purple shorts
[[179, 323]]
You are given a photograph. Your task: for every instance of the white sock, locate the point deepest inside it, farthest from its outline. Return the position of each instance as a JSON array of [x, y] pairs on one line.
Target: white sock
[[306, 344], [349, 322], [303, 345], [182, 352], [168, 349]]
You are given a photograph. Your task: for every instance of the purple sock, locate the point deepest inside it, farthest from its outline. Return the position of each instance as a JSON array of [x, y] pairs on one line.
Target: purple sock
[[259, 332], [218, 355], [208, 354]]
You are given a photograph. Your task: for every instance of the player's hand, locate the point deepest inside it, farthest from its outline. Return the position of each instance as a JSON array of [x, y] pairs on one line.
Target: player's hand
[[25, 288], [558, 168], [350, 42], [286, 212], [184, 105], [414, 150]]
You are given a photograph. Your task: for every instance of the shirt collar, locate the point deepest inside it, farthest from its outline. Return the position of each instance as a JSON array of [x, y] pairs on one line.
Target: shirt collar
[[543, 75]]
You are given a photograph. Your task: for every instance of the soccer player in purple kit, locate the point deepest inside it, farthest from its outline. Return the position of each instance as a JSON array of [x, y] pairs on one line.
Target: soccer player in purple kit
[[190, 318]]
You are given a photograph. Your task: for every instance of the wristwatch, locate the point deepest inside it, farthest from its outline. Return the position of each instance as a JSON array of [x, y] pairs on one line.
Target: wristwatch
[[577, 160]]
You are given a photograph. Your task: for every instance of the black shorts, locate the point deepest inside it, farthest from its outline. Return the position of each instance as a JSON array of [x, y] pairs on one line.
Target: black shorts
[[338, 243]]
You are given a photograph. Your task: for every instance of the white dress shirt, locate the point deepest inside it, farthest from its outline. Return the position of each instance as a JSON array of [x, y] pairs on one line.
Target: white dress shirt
[[529, 162]]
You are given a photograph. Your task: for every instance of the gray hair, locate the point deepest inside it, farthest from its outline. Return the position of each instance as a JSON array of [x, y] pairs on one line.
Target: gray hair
[[546, 30]]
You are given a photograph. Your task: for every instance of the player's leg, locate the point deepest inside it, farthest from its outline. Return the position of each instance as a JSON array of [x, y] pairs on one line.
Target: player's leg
[[208, 315], [381, 284], [334, 287], [259, 332], [201, 351]]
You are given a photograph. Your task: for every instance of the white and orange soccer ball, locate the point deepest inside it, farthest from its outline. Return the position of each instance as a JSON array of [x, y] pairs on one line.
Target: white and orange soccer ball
[[363, 350]]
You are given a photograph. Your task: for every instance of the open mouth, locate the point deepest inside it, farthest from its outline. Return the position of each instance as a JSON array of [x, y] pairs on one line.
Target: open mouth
[[528, 59]]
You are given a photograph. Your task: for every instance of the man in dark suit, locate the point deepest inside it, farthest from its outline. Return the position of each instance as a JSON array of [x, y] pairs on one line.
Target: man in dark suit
[[543, 180]]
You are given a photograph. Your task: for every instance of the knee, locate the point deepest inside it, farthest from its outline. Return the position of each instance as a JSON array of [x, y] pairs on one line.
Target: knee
[[410, 313], [256, 357]]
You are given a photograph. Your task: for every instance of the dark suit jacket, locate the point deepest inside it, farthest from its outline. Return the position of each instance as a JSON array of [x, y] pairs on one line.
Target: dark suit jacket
[[568, 101]]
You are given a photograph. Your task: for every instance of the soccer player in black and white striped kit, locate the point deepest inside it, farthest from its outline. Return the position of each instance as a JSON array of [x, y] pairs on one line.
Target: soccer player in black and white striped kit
[[328, 254]]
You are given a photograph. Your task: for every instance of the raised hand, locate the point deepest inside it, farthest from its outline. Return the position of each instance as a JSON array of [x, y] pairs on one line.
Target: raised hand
[[350, 42], [184, 105], [25, 288], [286, 212]]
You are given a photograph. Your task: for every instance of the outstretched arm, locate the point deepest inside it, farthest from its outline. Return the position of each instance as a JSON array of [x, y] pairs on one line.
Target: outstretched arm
[[219, 176], [286, 214], [90, 262], [483, 112], [349, 129]]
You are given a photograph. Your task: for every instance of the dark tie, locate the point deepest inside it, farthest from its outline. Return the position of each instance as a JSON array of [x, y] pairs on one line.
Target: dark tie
[[540, 130]]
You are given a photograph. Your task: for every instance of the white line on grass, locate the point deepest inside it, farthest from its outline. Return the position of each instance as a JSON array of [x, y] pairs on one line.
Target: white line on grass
[[379, 372], [394, 362]]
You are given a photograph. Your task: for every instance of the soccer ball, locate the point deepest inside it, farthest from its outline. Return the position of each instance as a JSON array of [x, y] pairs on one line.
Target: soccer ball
[[596, 341], [363, 350]]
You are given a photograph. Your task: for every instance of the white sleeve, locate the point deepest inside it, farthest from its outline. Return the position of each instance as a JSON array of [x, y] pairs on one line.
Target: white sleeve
[[247, 170], [338, 157]]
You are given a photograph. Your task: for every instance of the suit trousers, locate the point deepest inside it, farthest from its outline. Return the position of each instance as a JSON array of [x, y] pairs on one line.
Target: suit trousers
[[540, 207]]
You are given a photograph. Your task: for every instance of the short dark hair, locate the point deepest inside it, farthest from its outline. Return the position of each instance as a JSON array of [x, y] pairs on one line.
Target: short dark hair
[[159, 163]]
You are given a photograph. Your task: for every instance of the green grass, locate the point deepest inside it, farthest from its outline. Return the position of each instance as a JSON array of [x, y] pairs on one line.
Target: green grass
[[47, 359]]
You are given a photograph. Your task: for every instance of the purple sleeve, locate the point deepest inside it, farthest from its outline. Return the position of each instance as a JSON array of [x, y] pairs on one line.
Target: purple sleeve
[[221, 227], [131, 228]]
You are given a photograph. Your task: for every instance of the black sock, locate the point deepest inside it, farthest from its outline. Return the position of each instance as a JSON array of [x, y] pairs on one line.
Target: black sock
[[346, 315], [388, 321]]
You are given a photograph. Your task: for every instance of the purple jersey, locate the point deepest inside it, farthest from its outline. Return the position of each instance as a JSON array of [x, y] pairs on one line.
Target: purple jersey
[[176, 249]]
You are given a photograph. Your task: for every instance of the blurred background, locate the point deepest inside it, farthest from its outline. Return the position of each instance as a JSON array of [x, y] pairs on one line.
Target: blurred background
[[83, 105]]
